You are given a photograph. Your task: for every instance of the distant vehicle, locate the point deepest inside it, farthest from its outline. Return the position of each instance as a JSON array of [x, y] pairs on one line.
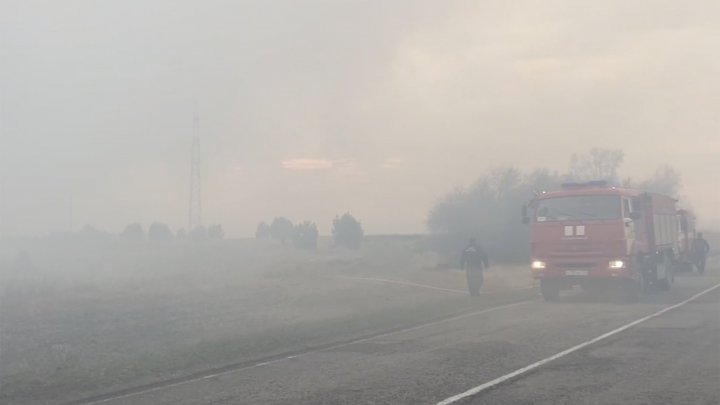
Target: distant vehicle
[[688, 233], [596, 236]]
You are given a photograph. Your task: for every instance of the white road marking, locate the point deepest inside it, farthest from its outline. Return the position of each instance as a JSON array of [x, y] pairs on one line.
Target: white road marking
[[425, 325], [406, 283], [335, 347], [432, 287], [526, 369], [264, 363]]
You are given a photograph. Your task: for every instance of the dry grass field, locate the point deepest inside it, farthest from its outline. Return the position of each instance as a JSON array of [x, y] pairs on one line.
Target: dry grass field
[[83, 318]]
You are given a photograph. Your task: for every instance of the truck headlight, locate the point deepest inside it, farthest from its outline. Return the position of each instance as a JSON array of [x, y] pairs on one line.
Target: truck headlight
[[538, 265], [616, 264]]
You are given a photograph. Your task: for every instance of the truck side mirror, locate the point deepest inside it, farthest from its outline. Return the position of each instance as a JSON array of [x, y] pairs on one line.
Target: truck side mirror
[[635, 215]]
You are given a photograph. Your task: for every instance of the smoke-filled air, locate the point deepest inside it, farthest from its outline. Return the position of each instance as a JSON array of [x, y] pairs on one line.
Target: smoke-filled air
[[348, 202]]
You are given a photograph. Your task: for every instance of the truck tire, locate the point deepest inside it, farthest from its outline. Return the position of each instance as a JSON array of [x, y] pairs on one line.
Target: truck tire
[[648, 279], [550, 290]]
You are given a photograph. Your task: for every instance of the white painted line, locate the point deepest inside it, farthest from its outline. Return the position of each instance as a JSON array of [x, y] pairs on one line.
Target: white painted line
[[526, 369], [335, 347], [432, 287], [406, 283], [425, 325], [264, 363]]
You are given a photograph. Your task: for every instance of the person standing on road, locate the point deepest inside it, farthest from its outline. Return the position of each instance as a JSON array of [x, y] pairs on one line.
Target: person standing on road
[[700, 250], [473, 261]]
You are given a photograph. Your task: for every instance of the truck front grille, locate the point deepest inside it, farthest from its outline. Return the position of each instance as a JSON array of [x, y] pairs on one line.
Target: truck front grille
[[575, 265]]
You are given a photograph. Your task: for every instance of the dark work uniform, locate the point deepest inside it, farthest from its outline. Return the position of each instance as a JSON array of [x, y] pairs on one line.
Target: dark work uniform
[[700, 249], [474, 260]]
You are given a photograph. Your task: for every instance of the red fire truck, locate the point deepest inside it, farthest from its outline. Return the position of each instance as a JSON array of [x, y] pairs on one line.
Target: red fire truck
[[593, 235]]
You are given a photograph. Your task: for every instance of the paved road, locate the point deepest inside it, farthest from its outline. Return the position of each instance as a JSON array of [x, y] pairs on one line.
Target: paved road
[[672, 358]]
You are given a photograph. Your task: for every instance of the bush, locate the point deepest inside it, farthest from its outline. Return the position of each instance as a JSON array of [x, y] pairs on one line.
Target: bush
[[199, 234], [281, 229], [347, 231], [489, 211], [215, 232], [159, 232], [262, 231], [305, 236], [134, 232], [90, 233]]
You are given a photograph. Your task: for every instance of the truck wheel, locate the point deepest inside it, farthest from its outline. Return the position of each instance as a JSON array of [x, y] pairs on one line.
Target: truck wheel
[[549, 289]]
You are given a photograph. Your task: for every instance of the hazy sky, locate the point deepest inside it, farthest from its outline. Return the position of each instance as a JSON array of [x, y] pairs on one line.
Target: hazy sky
[[313, 108]]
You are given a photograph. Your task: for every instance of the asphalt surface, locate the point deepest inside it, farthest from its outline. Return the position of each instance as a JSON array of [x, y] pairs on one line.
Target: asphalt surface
[[673, 358]]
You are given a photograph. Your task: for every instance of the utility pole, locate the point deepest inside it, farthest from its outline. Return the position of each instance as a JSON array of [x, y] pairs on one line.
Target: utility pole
[[195, 209]]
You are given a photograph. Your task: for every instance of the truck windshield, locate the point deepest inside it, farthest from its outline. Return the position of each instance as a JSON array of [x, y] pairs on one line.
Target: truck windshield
[[578, 207]]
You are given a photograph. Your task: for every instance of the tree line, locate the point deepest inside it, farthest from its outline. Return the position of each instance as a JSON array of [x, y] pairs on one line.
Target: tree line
[[346, 231], [489, 209], [157, 232]]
